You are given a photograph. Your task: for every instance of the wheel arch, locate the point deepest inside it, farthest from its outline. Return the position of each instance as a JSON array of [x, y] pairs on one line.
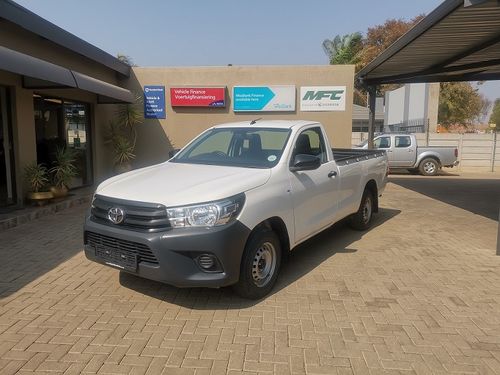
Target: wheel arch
[[371, 186], [428, 155], [278, 226]]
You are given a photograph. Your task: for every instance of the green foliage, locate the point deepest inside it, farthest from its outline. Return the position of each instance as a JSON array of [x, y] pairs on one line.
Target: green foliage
[[123, 150], [459, 103], [121, 133], [64, 168], [36, 176], [344, 49], [495, 115]]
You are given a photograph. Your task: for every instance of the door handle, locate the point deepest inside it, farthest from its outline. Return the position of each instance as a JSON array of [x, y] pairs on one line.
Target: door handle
[[332, 174]]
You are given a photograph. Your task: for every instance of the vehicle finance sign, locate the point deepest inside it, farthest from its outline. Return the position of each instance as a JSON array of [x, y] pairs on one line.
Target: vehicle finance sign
[[263, 98], [198, 96], [154, 102], [322, 98]]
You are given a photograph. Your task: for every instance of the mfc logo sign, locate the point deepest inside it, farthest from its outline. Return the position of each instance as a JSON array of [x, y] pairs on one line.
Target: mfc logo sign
[[320, 95]]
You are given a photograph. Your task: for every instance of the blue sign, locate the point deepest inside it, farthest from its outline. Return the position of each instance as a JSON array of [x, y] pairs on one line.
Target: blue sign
[[154, 102], [263, 98]]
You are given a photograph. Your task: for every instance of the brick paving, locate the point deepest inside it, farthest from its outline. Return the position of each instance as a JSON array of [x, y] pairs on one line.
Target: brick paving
[[417, 294]]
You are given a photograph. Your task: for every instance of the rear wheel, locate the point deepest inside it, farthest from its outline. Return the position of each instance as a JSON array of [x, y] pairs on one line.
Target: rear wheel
[[362, 219], [260, 265], [429, 167]]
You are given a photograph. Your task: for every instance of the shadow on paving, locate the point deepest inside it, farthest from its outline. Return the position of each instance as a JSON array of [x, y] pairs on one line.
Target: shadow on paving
[[31, 250], [305, 258], [479, 196]]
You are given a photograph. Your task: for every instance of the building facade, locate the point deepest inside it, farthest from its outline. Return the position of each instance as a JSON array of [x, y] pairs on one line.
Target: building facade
[[56, 90]]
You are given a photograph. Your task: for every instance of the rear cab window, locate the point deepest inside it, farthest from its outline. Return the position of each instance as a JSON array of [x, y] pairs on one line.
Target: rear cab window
[[402, 141], [382, 142]]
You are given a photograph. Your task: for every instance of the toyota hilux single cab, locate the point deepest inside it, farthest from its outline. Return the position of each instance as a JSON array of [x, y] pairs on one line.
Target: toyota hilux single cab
[[229, 206]]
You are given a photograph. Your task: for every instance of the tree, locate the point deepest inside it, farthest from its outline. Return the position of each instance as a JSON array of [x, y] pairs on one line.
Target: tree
[[344, 49], [379, 38], [459, 103], [358, 50], [495, 115]]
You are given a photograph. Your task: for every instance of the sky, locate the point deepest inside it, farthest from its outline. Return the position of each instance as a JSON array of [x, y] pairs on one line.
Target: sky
[[221, 32]]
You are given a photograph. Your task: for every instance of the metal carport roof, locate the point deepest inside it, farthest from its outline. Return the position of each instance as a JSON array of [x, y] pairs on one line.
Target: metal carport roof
[[458, 41]]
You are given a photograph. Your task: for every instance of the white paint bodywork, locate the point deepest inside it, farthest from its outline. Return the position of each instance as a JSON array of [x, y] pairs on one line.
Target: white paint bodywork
[[306, 201]]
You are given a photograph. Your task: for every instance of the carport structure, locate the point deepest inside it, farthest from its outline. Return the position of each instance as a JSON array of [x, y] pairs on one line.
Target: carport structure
[[457, 41]]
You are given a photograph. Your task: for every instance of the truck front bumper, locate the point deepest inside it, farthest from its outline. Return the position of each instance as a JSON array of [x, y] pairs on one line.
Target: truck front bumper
[[172, 256]]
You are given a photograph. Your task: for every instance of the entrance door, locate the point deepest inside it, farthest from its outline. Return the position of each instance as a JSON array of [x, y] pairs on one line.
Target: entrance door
[[7, 191]]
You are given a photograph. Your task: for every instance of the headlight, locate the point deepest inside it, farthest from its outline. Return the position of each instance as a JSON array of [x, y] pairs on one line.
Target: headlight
[[207, 214]]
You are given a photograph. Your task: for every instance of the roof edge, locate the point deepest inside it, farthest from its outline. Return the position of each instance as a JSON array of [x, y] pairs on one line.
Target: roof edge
[[26, 19], [425, 24]]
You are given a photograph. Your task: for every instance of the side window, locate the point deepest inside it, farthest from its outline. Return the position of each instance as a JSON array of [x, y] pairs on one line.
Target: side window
[[402, 141], [311, 142], [382, 142]]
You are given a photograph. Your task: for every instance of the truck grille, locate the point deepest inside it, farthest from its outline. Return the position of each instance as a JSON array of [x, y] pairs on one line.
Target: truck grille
[[149, 217], [142, 251]]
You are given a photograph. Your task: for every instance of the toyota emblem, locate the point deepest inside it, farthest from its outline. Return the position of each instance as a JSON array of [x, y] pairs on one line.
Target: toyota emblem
[[116, 215]]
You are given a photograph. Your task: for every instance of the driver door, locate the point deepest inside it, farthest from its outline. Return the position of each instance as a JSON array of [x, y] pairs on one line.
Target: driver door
[[314, 192]]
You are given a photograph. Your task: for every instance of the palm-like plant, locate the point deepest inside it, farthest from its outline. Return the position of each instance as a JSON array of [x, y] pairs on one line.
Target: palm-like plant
[[64, 168], [36, 176], [345, 49], [122, 133]]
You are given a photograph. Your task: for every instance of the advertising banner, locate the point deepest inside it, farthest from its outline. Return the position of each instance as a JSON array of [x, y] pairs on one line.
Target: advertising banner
[[154, 102], [263, 98], [322, 98], [198, 96]]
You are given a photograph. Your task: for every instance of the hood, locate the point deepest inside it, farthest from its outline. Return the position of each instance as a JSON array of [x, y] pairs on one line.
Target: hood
[[177, 184]]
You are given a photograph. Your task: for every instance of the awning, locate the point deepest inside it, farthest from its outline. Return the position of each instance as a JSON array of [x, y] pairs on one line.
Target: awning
[[106, 92], [45, 73], [41, 74], [458, 41]]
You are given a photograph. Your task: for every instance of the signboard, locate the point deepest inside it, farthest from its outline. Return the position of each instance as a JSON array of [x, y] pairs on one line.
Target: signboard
[[322, 98], [198, 96], [263, 98], [154, 102]]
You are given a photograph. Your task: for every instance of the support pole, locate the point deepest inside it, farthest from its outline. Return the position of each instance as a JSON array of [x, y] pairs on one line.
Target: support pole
[[372, 93], [498, 233]]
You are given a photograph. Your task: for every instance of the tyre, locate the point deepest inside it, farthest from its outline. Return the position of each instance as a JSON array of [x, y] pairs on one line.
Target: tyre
[[260, 265], [362, 219], [429, 167]]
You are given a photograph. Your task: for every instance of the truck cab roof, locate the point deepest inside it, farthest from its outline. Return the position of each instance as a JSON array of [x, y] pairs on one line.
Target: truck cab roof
[[280, 124]]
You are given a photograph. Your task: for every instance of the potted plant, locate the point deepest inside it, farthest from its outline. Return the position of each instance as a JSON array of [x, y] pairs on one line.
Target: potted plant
[[63, 171], [124, 154], [37, 177]]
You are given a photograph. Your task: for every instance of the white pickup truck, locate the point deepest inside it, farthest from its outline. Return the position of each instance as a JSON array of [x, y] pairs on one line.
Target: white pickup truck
[[229, 206]]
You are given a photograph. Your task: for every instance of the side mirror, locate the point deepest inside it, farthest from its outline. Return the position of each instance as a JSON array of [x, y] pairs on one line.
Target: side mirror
[[304, 162], [172, 153]]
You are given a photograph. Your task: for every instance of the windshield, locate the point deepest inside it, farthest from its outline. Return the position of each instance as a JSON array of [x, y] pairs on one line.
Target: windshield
[[239, 147]]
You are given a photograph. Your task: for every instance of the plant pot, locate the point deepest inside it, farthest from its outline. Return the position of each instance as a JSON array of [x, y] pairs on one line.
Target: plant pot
[[40, 197], [123, 168], [59, 191]]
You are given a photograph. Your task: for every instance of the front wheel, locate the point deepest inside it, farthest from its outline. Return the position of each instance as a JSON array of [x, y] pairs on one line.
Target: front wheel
[[362, 219], [260, 265], [429, 167]]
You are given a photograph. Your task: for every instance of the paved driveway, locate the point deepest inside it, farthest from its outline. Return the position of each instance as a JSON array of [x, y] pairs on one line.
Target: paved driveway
[[419, 293]]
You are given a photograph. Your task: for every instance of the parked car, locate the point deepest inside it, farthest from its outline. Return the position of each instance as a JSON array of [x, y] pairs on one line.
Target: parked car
[[228, 207], [403, 153]]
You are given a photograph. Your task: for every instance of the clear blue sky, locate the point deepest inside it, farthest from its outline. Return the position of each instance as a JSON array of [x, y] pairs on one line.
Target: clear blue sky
[[189, 32]]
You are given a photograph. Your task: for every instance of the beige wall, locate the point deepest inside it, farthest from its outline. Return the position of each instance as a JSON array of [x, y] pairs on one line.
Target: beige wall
[[157, 137]]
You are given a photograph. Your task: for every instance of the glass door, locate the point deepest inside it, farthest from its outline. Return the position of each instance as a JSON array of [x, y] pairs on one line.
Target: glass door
[[7, 190], [64, 123]]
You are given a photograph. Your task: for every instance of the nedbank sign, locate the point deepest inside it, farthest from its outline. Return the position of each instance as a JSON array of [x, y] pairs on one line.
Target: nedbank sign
[[322, 98]]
